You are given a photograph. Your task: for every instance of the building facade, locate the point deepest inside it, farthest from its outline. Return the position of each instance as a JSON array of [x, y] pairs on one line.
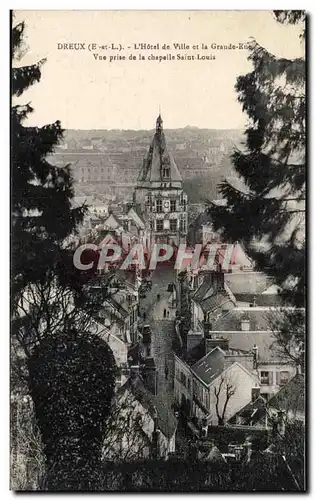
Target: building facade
[[160, 193]]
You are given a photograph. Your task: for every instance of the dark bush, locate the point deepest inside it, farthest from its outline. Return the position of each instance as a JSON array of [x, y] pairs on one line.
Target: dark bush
[[72, 380]]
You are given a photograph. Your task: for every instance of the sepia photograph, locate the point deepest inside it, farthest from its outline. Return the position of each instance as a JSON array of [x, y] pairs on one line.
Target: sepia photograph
[[158, 251]]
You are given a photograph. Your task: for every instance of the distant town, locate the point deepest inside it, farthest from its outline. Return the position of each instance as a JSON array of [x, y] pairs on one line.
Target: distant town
[[196, 348]]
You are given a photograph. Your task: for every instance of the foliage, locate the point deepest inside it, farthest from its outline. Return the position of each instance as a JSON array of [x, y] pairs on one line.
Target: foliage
[[291, 17], [68, 374], [280, 467], [41, 194], [128, 436], [288, 326], [28, 465], [72, 378], [268, 213]]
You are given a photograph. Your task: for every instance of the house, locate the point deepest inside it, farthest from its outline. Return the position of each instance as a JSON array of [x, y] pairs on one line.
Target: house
[[248, 329], [219, 391], [210, 299], [289, 402], [183, 385], [143, 426], [253, 287], [213, 388], [253, 414], [231, 257], [128, 227], [122, 313], [119, 310], [218, 318], [118, 347]]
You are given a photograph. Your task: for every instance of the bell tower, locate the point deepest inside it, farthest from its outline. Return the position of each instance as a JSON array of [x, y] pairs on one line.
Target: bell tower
[[160, 192]]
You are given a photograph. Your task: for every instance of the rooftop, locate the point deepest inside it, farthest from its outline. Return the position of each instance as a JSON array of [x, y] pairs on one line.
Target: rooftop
[[210, 366], [252, 412], [212, 293], [158, 158], [250, 282], [291, 396]]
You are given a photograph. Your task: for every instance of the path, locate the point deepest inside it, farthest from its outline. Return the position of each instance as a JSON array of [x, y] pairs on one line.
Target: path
[[162, 329]]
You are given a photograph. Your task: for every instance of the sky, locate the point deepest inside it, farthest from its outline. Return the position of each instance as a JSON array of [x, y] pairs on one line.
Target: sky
[[85, 93]]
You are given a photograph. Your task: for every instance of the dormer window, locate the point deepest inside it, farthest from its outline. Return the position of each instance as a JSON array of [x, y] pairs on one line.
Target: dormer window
[[166, 173]]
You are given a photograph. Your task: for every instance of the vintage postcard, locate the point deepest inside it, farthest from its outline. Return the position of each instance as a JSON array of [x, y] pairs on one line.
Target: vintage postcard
[[158, 175]]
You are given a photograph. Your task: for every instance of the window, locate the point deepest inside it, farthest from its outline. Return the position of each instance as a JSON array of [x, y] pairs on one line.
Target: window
[[159, 225], [149, 202], [283, 378], [159, 206], [166, 173], [183, 225], [183, 379], [173, 205], [173, 224], [266, 378], [188, 384], [183, 202], [206, 399], [152, 224]]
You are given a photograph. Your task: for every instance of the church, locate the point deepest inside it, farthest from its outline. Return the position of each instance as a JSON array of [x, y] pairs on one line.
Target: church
[[159, 193]]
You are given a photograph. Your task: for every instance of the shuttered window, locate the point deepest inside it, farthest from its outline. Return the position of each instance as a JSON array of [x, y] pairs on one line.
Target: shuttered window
[[266, 378], [283, 377]]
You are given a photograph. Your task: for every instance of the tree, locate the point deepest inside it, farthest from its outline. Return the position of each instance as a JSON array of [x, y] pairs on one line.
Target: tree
[[68, 372], [28, 465], [41, 194], [268, 213], [72, 377], [127, 435], [223, 393], [288, 326]]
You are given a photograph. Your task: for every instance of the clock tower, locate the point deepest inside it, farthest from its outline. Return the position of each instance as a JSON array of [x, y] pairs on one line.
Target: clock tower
[[160, 194]]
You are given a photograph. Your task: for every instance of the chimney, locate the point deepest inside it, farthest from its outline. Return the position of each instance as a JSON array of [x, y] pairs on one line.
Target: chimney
[[255, 393], [217, 278], [193, 339], [134, 371], [245, 323], [255, 357], [207, 327]]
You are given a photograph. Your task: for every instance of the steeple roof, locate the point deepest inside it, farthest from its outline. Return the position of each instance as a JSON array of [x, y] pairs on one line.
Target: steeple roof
[[158, 159]]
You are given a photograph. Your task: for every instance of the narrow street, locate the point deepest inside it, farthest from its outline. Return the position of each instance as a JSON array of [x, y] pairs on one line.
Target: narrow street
[[156, 303]]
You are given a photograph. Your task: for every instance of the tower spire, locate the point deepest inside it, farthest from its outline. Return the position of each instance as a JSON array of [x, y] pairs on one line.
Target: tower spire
[[159, 122]]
